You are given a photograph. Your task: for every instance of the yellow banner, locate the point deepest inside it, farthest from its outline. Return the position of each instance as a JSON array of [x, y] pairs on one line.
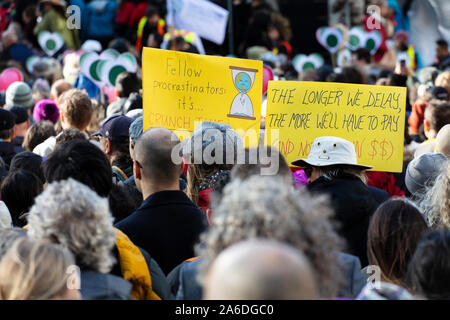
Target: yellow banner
[[371, 117], [180, 90]]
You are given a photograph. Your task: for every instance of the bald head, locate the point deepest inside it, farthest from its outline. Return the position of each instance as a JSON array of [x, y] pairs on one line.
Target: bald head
[[442, 143], [260, 270], [153, 152], [58, 88]]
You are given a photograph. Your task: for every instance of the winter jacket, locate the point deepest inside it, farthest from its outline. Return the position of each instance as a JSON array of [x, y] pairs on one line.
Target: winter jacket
[[384, 181], [353, 204], [103, 286], [136, 266], [184, 284], [101, 19], [167, 225]]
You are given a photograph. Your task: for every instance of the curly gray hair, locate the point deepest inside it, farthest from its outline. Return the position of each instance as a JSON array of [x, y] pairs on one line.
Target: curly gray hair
[[435, 202], [267, 207], [72, 215]]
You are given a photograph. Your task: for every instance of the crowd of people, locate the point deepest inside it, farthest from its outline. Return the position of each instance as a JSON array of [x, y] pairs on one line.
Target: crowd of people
[[94, 207]]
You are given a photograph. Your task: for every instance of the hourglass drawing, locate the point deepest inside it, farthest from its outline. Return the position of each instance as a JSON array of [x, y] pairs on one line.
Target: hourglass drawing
[[243, 79]]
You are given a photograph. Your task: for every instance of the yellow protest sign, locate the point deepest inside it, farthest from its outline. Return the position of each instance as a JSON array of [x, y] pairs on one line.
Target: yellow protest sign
[[371, 117], [180, 90]]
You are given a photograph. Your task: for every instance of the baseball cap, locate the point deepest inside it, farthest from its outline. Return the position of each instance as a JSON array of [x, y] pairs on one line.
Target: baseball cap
[[116, 126]]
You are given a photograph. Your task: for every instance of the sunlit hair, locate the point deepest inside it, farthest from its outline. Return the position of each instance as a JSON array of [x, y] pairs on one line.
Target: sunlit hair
[[435, 203], [34, 270], [72, 215], [269, 208]]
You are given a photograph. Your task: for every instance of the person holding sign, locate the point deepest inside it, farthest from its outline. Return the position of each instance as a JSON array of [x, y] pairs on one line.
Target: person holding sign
[[333, 170]]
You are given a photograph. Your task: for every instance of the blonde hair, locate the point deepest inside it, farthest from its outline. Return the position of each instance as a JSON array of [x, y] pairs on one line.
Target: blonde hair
[[443, 80], [436, 201], [34, 270], [333, 171]]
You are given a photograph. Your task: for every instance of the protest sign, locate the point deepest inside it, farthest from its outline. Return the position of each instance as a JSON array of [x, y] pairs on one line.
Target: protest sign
[[180, 90], [203, 17], [371, 117]]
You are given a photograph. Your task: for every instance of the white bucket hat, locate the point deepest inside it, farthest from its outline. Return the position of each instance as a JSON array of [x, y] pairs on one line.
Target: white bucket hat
[[328, 151]]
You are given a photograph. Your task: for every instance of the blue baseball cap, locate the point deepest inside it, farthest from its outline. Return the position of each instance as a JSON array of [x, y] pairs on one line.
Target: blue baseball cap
[[116, 126]]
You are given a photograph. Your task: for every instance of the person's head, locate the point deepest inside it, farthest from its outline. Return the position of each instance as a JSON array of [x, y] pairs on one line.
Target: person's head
[[272, 209], [22, 120], [38, 133], [361, 56], [340, 159], [394, 231], [351, 74], [18, 191], [19, 94], [153, 164], [40, 89], [422, 171], [443, 80], [75, 109], [28, 161], [152, 15], [82, 161], [429, 270], [135, 131], [441, 48], [211, 148], [114, 136], [260, 270], [256, 159], [72, 215], [401, 38], [127, 83], [435, 201], [7, 123], [437, 115], [37, 270], [69, 135], [121, 45], [46, 110], [442, 142]]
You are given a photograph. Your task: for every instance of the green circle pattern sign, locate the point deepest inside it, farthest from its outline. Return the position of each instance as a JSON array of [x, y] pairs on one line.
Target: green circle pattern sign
[[50, 44], [93, 70], [114, 72], [332, 41]]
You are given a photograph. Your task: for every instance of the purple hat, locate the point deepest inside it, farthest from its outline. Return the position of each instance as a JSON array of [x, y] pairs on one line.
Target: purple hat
[[46, 110]]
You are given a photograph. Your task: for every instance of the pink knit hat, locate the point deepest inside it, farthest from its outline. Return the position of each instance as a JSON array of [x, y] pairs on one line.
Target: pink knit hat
[[45, 110]]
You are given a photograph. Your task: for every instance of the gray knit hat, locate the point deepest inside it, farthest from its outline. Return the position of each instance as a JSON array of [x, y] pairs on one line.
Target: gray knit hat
[[423, 170], [19, 94], [209, 134]]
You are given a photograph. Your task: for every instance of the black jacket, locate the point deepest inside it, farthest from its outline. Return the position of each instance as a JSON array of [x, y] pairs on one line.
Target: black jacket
[[353, 204], [7, 151], [167, 225]]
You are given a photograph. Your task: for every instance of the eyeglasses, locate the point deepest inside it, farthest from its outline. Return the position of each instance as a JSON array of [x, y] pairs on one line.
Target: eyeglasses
[[308, 171]]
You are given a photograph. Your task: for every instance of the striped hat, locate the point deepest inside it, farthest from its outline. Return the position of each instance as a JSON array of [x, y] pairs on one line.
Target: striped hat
[[19, 94]]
